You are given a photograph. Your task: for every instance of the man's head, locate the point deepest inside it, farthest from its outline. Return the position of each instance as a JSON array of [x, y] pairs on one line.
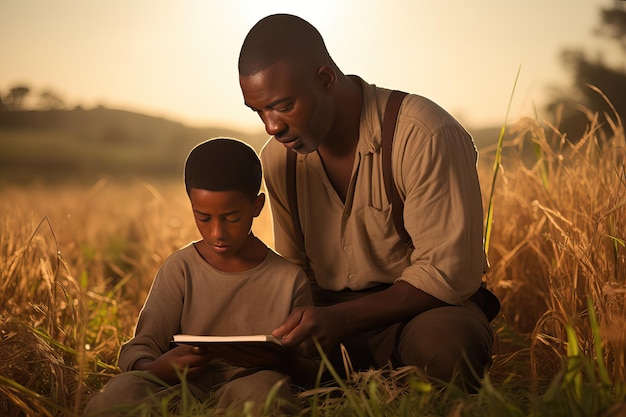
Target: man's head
[[281, 37], [222, 179], [287, 76]]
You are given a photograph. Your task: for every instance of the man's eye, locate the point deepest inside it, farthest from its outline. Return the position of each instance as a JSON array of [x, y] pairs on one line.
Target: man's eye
[[203, 219], [233, 219], [285, 108]]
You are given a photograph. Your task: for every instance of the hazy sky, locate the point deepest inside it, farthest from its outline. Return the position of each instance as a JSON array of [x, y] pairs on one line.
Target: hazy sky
[[178, 58]]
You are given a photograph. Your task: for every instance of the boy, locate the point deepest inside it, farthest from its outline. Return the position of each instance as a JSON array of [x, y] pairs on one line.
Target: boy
[[228, 283]]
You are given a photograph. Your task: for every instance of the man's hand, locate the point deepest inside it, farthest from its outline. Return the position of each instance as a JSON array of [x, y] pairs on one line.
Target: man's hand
[[306, 323], [166, 366]]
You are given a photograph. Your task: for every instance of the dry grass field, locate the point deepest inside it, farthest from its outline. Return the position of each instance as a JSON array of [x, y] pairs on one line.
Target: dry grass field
[[76, 263]]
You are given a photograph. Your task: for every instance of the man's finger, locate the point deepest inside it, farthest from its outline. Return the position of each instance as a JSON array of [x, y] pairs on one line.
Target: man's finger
[[290, 323]]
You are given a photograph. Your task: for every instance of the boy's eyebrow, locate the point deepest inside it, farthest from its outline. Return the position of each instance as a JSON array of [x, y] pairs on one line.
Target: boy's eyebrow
[[221, 214]]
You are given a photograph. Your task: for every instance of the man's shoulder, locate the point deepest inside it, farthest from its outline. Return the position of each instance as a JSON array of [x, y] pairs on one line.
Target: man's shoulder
[[418, 110], [426, 113]]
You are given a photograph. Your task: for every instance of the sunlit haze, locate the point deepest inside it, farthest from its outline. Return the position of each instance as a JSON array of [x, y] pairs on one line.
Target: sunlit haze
[[178, 59]]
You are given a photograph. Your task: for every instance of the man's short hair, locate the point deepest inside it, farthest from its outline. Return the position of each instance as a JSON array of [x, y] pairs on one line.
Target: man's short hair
[[281, 37], [223, 164]]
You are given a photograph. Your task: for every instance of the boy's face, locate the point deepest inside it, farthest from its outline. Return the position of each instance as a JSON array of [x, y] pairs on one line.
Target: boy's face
[[224, 219]]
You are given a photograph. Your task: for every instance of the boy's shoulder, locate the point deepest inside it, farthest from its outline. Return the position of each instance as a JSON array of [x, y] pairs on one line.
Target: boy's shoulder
[[275, 260], [185, 254]]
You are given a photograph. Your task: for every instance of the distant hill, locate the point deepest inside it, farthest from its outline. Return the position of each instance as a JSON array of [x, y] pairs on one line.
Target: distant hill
[[86, 145]]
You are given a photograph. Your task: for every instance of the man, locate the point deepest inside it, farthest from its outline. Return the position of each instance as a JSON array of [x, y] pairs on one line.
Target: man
[[385, 301]]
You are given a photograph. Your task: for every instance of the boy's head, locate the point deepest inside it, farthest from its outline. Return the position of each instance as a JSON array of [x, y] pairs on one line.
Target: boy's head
[[223, 164], [223, 178]]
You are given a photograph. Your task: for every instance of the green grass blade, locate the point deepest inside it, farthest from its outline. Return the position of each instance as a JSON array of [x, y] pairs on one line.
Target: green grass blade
[[496, 166]]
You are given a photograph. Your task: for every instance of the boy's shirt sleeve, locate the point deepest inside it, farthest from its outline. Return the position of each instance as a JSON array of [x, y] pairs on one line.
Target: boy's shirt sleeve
[[158, 320], [302, 291]]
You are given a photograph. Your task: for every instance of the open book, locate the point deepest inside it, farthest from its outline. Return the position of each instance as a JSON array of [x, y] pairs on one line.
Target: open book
[[256, 340]]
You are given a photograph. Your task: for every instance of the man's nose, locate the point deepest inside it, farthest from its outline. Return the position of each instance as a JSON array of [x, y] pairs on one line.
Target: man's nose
[[274, 125]]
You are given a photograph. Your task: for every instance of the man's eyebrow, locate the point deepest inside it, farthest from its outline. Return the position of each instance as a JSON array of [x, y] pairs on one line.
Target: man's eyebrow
[[272, 104]]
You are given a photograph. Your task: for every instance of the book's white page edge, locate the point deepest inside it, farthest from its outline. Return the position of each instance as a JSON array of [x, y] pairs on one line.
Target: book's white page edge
[[208, 339]]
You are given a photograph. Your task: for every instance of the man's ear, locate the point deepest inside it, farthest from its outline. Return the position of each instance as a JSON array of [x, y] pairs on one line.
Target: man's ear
[[326, 77], [259, 203]]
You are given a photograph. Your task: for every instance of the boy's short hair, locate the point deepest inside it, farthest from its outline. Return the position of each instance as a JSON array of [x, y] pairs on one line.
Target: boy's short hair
[[223, 164]]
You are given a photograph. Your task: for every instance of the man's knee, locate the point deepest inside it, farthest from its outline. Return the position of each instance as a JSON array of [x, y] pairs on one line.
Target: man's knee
[[449, 344]]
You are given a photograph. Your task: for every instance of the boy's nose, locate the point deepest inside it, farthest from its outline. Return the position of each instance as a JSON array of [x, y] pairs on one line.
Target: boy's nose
[[218, 231]]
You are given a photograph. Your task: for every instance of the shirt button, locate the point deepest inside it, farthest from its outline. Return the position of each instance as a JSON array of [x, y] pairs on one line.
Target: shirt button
[[351, 277], [346, 249]]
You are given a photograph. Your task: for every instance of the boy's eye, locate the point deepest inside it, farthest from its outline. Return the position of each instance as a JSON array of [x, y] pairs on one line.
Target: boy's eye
[[233, 219], [203, 219]]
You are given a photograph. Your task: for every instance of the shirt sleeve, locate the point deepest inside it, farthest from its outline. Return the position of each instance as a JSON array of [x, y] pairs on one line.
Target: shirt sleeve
[[158, 320], [438, 181]]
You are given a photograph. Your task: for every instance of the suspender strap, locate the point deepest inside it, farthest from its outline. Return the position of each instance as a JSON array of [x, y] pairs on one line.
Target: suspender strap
[[393, 196], [292, 195]]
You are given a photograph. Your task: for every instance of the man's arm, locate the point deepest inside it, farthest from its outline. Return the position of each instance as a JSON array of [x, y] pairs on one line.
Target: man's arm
[[329, 325]]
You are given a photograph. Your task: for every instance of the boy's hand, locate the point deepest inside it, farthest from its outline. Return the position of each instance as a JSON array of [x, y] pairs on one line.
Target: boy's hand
[[178, 358]]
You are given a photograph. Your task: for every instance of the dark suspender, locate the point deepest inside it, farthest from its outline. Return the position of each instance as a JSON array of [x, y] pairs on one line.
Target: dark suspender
[[389, 130], [292, 194]]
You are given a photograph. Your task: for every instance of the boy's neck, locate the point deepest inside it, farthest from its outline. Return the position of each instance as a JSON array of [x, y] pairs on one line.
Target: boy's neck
[[251, 254]]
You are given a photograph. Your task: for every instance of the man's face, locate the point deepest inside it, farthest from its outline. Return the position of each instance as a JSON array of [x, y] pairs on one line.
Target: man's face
[[293, 104]]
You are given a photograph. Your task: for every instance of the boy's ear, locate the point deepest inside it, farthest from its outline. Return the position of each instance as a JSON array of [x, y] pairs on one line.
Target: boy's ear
[[259, 203]]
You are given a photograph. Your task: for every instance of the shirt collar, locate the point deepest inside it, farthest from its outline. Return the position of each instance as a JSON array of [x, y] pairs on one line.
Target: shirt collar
[[370, 124]]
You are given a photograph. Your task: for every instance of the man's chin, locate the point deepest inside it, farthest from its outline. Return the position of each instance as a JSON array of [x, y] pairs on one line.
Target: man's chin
[[305, 148], [303, 151]]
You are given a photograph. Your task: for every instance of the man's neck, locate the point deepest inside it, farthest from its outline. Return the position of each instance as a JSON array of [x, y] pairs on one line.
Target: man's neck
[[344, 133], [338, 150]]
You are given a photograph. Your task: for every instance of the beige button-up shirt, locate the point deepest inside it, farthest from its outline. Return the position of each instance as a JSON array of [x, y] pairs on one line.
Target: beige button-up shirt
[[354, 245]]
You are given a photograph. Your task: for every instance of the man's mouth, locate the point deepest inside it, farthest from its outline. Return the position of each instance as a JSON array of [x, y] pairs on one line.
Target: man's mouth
[[288, 142]]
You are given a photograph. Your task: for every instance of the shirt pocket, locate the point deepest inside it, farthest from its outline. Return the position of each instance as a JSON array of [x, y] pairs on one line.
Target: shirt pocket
[[384, 246]]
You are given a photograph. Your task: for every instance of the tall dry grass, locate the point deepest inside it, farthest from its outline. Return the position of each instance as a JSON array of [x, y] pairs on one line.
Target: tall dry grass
[[559, 241], [76, 264]]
